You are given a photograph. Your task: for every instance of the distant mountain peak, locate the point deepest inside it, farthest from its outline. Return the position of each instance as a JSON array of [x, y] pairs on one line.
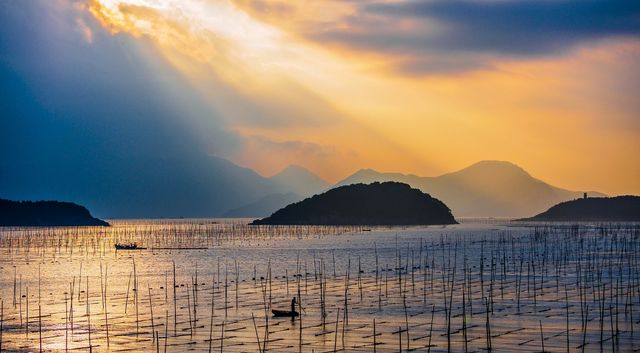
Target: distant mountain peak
[[295, 169], [494, 166], [366, 171], [494, 163], [300, 180]]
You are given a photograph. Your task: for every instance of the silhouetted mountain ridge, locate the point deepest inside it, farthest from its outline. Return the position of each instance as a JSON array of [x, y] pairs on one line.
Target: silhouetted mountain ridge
[[300, 180], [484, 189], [388, 203], [45, 214], [293, 183]]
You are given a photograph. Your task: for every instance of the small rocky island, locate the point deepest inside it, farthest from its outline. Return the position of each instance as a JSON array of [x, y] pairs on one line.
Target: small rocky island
[[45, 214], [388, 203], [592, 209]]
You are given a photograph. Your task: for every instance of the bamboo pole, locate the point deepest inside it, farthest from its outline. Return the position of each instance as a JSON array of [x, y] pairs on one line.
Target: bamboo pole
[[40, 326], [541, 336], [255, 327], [88, 314], [222, 337], [105, 307], [1, 321], [335, 337], [153, 326]]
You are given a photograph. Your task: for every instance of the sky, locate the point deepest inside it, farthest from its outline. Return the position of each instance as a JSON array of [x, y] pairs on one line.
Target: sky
[[423, 87]]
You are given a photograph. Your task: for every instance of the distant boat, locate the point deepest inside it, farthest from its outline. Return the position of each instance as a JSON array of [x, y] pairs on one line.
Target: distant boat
[[284, 313], [131, 246]]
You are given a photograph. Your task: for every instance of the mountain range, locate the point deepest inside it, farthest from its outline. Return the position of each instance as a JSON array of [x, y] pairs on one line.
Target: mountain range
[[208, 186], [484, 189], [299, 183]]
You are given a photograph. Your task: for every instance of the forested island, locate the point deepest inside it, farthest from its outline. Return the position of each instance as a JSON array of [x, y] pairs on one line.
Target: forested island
[[45, 214], [388, 203], [594, 209]]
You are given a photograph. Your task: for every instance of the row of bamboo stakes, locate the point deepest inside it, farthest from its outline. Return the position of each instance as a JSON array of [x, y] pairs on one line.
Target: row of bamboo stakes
[[607, 271]]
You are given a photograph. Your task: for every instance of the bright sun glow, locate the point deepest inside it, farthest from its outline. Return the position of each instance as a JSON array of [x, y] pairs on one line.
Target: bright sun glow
[[214, 22], [368, 112], [225, 38]]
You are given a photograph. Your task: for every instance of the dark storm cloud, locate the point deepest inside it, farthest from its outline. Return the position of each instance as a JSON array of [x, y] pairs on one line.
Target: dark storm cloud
[[422, 30]]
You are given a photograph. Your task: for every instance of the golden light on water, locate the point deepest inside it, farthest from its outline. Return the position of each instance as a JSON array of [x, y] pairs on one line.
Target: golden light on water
[[196, 276]]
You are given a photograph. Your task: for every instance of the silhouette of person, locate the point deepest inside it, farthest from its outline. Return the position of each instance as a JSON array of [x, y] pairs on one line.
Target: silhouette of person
[[293, 306]]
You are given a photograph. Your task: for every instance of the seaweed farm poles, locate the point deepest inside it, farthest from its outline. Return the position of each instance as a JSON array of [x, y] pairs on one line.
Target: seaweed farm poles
[[471, 309]]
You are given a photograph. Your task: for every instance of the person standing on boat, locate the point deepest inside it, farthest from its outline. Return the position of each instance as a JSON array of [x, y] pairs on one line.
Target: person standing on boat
[[293, 307]]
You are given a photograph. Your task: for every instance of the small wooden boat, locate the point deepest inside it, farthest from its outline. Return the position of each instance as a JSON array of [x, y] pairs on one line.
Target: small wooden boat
[[284, 313], [131, 246]]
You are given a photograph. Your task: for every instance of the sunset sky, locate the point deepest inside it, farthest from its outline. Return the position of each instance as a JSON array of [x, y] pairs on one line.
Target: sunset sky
[[422, 87]]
